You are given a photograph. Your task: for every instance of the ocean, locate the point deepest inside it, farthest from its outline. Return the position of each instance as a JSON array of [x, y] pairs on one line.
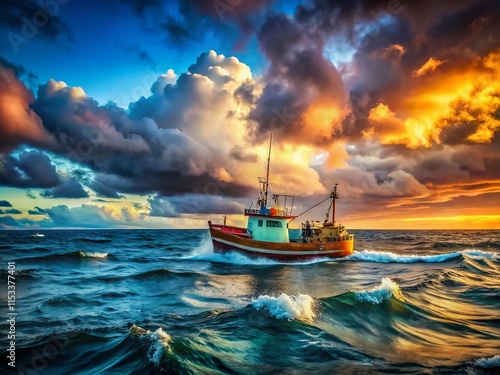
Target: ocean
[[160, 302]]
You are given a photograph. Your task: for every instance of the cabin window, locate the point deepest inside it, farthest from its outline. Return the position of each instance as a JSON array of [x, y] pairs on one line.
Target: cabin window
[[273, 224], [259, 223]]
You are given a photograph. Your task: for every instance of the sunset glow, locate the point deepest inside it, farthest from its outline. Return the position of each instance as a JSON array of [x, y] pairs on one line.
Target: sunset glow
[[148, 126]]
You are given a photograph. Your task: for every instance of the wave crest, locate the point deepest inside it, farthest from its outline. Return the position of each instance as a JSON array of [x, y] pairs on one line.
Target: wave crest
[[93, 240], [383, 292], [85, 254], [488, 362], [388, 257], [159, 341], [287, 307]]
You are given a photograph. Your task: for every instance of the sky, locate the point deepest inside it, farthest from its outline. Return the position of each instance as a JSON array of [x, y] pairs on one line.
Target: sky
[[157, 114]]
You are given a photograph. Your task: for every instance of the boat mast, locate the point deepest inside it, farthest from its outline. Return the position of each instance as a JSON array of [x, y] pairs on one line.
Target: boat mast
[[334, 195], [267, 174]]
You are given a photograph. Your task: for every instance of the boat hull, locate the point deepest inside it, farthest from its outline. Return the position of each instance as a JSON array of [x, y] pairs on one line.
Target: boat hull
[[225, 242]]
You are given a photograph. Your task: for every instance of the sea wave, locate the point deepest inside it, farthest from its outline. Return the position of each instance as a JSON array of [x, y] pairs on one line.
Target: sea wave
[[163, 273], [492, 362], [158, 342], [380, 293], [388, 257], [205, 252], [93, 240], [71, 255], [478, 254], [85, 254], [299, 307]]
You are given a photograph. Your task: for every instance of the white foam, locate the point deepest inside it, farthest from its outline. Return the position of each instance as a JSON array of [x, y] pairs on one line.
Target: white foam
[[159, 342], [287, 307], [388, 257], [478, 254], [488, 362], [205, 251], [383, 292], [85, 254]]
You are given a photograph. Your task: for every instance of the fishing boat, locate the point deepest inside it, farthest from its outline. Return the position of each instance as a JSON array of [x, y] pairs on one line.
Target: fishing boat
[[267, 232]]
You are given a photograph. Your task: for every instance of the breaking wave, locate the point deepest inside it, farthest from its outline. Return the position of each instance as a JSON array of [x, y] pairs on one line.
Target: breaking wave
[[92, 240], [287, 307], [85, 254], [492, 362], [380, 293], [158, 342], [388, 257]]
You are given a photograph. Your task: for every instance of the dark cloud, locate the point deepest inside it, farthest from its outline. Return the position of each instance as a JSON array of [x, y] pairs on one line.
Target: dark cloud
[[140, 6], [37, 211], [29, 194], [10, 222], [177, 31], [193, 204], [12, 211], [187, 21], [159, 146], [390, 40], [142, 55], [68, 189], [23, 18], [302, 85], [4, 203], [103, 190], [29, 169]]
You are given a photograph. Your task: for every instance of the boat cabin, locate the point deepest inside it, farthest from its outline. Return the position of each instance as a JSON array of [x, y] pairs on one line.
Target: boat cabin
[[268, 227]]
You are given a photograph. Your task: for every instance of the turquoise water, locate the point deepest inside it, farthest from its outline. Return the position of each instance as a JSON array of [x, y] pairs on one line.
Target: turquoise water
[[160, 302]]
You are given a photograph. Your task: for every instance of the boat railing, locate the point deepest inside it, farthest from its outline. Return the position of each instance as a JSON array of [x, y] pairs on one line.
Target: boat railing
[[349, 237], [275, 212]]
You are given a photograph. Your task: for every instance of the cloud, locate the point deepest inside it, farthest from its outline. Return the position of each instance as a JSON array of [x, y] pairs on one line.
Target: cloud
[[68, 189], [4, 203], [18, 122], [188, 21], [193, 204], [22, 17], [84, 216], [397, 103], [304, 98], [28, 169], [8, 222], [141, 55], [11, 211], [30, 195], [37, 211], [429, 66]]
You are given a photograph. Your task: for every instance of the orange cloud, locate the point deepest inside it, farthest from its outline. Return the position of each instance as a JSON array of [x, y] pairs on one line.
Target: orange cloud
[[429, 66], [18, 122], [455, 106]]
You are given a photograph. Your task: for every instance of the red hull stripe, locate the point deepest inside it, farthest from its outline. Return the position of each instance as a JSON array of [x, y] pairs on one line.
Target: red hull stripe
[[278, 252]]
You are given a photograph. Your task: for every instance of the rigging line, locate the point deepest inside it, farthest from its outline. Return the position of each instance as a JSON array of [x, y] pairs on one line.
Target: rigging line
[[309, 209]]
